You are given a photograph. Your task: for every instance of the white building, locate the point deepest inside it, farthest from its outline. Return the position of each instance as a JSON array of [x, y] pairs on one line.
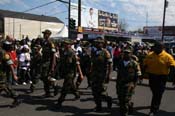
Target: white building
[[20, 25]]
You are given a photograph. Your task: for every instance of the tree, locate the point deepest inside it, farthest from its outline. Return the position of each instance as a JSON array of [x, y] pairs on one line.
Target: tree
[[140, 30]]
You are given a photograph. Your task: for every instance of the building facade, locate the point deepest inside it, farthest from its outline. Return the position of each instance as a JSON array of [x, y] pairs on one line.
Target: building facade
[[19, 25]]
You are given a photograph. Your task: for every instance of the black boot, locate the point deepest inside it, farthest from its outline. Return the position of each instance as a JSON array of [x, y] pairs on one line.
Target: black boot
[[98, 109], [16, 102], [130, 108], [123, 114], [47, 95], [58, 105], [109, 102], [32, 88], [77, 96], [77, 84], [55, 91], [60, 101]]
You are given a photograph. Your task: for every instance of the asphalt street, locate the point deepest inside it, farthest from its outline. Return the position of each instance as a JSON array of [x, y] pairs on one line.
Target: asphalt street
[[33, 104]]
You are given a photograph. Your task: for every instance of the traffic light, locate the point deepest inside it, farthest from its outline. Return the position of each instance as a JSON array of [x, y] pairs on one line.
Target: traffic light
[[72, 23]]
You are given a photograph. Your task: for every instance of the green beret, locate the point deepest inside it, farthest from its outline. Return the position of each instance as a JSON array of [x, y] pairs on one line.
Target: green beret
[[68, 41], [37, 46], [85, 43], [129, 42], [47, 32], [127, 51]]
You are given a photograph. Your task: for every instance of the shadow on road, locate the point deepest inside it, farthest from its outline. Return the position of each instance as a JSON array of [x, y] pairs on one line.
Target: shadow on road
[[147, 85], [5, 106], [36, 100], [142, 107], [75, 111], [89, 112], [160, 113], [26, 90], [164, 113]]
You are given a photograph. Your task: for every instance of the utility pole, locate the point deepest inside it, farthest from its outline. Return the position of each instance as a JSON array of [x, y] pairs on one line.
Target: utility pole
[[13, 28], [40, 28], [69, 15], [19, 32], [79, 13], [146, 18], [164, 14], [79, 17]]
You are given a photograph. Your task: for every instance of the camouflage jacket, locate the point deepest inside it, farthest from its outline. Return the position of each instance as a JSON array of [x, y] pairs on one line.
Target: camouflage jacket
[[68, 62], [48, 50], [128, 73], [100, 61], [5, 61]]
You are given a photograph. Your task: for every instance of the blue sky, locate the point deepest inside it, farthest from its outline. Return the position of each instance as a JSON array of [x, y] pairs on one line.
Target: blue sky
[[134, 12]]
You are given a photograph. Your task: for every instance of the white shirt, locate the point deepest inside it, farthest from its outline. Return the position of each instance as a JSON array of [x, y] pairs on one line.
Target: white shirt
[[78, 49], [126, 63], [91, 22], [22, 59]]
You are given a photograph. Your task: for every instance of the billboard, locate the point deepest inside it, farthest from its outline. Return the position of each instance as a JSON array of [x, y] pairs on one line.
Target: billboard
[[153, 31], [94, 18], [89, 16], [157, 30], [106, 19], [169, 31]]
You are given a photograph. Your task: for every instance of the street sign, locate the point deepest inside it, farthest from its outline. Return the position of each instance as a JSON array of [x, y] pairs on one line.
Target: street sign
[[80, 29]]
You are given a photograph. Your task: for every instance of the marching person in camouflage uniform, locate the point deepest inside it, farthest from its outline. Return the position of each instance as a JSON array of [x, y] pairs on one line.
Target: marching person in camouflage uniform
[[141, 54], [5, 64], [70, 64], [35, 66], [128, 73], [48, 50], [100, 72], [85, 63]]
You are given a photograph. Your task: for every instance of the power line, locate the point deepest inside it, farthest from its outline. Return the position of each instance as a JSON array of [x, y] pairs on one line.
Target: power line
[[40, 6], [34, 9], [63, 1]]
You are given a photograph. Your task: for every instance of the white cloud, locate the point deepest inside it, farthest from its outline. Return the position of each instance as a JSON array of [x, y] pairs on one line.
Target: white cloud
[[96, 0], [16, 2], [136, 10], [113, 4], [130, 8], [2, 2], [20, 3], [139, 8], [123, 0]]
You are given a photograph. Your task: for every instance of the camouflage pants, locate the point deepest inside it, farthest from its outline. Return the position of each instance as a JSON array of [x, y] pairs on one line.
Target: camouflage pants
[[44, 77], [68, 87], [8, 89], [99, 88], [125, 92]]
